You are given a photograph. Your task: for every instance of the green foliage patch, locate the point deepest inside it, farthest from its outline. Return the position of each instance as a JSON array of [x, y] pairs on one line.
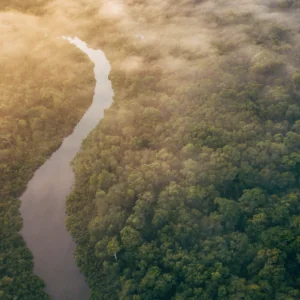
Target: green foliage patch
[[189, 186], [44, 91]]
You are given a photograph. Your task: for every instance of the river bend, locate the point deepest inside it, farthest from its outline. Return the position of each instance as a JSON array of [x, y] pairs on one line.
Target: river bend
[[43, 202]]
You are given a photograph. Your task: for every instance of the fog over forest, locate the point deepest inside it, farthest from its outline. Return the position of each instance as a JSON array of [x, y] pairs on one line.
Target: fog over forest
[[188, 188]]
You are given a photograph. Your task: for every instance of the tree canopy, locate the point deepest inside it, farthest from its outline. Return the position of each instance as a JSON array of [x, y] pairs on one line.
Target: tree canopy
[[189, 186], [45, 87]]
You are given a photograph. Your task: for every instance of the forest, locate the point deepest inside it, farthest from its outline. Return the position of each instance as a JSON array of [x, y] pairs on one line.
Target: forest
[[40, 80], [189, 186]]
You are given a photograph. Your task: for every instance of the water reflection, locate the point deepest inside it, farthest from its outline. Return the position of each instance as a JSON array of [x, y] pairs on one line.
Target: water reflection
[[43, 202]]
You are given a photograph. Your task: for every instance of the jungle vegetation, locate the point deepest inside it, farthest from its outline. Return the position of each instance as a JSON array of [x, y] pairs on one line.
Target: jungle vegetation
[[46, 85], [189, 186]]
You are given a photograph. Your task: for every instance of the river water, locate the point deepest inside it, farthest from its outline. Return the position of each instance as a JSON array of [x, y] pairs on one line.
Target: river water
[[43, 202]]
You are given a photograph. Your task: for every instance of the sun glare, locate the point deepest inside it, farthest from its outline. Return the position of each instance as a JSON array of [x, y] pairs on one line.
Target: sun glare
[[112, 8]]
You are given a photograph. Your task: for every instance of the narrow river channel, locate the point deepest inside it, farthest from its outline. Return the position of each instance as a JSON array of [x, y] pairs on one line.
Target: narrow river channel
[[43, 202]]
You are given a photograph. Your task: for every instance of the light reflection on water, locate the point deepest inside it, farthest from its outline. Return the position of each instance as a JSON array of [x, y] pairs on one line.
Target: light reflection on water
[[43, 202]]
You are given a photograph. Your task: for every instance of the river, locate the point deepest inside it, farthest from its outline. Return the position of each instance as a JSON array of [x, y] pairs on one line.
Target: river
[[43, 202]]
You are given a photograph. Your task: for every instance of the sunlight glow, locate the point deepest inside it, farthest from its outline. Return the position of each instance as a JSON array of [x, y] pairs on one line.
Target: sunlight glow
[[113, 8]]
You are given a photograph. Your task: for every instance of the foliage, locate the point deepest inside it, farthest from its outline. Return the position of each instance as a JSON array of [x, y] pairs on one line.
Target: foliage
[[44, 92], [189, 186]]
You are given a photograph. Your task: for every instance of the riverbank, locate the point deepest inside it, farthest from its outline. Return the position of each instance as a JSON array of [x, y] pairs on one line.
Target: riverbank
[[46, 86], [178, 190], [188, 188], [43, 202]]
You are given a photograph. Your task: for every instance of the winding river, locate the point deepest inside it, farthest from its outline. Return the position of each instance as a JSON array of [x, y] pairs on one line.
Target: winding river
[[43, 202]]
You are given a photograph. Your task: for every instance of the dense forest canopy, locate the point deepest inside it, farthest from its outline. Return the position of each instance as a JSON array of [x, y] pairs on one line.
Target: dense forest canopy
[[45, 87], [189, 186]]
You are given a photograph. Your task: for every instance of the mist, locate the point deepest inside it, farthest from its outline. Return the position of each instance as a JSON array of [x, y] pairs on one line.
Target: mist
[[194, 166], [178, 32]]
